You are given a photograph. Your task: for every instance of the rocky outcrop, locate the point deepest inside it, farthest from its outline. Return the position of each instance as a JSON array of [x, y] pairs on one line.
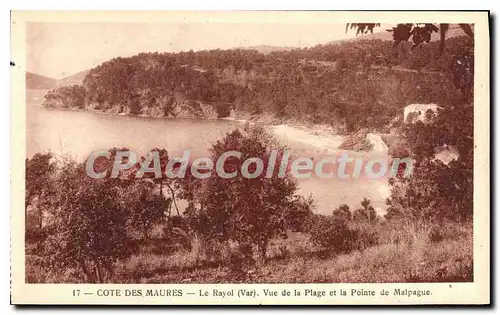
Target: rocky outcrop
[[194, 109], [357, 142], [73, 98]]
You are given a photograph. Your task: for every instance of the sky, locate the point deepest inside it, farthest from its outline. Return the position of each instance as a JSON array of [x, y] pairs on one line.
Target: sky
[[61, 49]]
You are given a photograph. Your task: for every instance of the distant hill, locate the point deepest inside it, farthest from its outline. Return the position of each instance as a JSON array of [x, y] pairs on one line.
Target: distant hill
[[75, 79], [35, 82], [380, 34], [266, 49]]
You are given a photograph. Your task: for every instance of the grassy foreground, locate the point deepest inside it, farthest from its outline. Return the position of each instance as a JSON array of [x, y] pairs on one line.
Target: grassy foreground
[[403, 253]]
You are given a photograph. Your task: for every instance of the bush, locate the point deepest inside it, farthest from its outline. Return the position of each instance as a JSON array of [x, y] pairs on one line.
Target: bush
[[332, 234]]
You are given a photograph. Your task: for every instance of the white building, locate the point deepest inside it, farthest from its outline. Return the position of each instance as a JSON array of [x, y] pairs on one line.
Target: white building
[[419, 111]]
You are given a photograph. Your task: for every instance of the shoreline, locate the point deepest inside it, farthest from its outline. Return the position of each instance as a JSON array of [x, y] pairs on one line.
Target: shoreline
[[321, 137]]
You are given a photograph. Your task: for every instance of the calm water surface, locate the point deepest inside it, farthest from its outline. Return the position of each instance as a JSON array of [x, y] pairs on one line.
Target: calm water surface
[[79, 133]]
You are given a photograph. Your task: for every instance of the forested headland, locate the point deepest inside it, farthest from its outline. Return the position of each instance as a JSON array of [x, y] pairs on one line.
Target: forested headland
[[349, 85]]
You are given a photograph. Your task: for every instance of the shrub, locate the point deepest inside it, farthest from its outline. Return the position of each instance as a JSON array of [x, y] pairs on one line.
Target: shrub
[[393, 213], [332, 234], [87, 230]]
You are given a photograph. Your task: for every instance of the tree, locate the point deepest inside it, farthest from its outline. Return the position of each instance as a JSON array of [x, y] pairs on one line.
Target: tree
[[320, 84], [462, 70], [443, 29], [359, 215], [435, 189], [343, 212], [366, 212], [164, 182], [145, 206], [249, 211], [86, 226], [368, 209], [39, 171]]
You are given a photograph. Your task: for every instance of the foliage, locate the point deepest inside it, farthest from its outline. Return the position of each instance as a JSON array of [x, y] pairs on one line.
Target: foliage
[[66, 97], [39, 168], [366, 212], [399, 149], [39, 173], [418, 32], [145, 206], [429, 116], [165, 81], [249, 211], [343, 212], [462, 70], [332, 234], [163, 182], [362, 28], [86, 226], [440, 189], [402, 253], [436, 189], [87, 220]]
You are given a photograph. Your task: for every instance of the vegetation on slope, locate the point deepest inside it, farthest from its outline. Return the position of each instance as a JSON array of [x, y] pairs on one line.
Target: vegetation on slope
[[348, 85]]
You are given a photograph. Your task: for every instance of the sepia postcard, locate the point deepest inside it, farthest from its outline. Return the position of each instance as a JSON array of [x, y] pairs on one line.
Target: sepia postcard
[[250, 157]]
